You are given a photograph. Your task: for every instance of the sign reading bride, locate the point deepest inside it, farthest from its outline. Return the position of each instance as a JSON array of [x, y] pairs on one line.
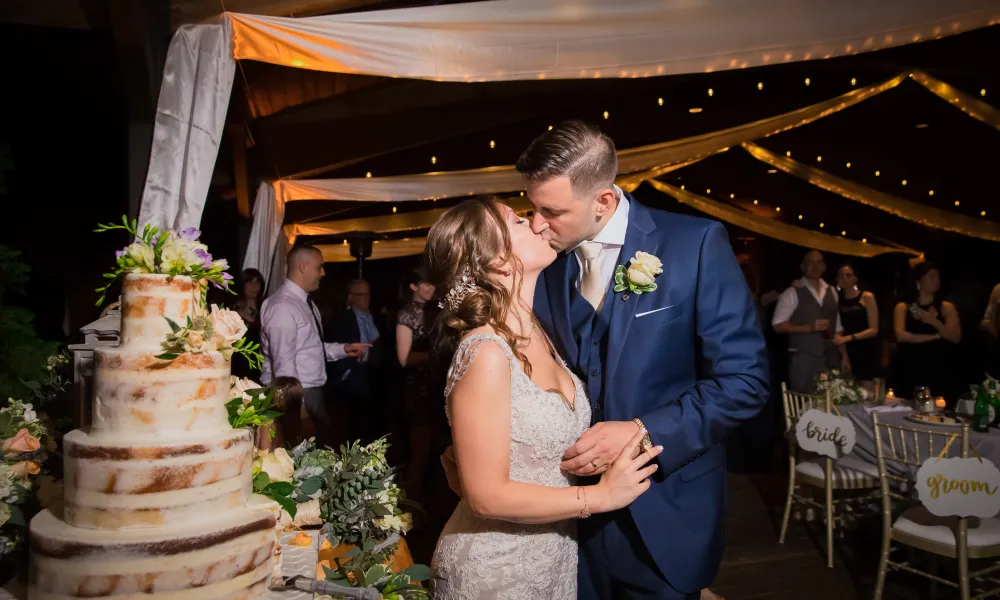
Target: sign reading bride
[[959, 487], [825, 434]]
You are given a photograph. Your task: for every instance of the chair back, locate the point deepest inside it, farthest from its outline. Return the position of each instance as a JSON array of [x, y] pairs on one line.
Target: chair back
[[906, 448], [796, 404]]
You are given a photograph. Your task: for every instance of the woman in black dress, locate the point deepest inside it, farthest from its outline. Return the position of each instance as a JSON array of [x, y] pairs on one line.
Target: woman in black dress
[[413, 351], [859, 316], [927, 330], [251, 292]]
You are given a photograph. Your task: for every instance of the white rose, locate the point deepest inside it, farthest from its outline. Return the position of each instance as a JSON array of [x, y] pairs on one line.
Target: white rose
[[227, 323], [639, 275], [143, 256], [278, 465], [179, 254], [196, 342], [6, 480], [29, 414], [238, 388], [307, 514], [653, 265]]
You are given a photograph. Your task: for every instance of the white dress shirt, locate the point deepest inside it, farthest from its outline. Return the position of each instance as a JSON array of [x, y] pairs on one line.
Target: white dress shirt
[[611, 238], [291, 339], [788, 301]]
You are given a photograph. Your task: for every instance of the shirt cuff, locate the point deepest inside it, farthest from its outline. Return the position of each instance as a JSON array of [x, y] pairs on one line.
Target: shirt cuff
[[334, 351]]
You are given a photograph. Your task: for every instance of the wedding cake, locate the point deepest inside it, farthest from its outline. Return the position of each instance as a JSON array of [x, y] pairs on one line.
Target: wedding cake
[[157, 489]]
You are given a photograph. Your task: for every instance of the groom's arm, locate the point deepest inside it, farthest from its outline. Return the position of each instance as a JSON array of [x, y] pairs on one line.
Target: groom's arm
[[734, 375]]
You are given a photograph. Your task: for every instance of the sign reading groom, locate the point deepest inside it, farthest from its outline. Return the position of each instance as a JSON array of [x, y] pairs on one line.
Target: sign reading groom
[[651, 310]]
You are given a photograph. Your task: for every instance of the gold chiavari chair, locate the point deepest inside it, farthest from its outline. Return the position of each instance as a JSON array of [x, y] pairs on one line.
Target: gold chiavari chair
[[831, 476], [915, 526]]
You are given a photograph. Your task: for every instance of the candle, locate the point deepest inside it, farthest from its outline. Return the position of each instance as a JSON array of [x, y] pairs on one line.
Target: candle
[[940, 403]]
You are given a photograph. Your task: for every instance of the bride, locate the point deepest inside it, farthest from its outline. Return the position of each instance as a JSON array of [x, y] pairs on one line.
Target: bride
[[514, 409]]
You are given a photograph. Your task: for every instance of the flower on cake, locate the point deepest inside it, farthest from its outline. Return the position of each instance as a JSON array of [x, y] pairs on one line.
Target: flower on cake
[[166, 252], [238, 387], [220, 330], [227, 324]]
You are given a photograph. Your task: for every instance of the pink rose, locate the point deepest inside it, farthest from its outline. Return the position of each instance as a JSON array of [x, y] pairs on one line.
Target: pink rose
[[227, 323], [25, 468], [20, 443]]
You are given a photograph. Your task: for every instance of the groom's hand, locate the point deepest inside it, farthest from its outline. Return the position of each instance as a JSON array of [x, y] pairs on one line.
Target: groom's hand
[[598, 447]]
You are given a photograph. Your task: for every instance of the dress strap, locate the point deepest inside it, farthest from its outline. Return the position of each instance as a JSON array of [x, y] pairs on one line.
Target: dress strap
[[466, 352]]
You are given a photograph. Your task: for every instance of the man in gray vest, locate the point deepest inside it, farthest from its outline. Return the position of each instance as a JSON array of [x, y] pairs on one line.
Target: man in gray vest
[[809, 313]]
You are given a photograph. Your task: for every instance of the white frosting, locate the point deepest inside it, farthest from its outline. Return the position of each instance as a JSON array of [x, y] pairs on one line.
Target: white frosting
[[147, 302]]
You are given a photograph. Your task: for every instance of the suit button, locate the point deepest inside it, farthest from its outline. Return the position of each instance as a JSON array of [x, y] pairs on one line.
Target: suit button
[[595, 371], [597, 342]]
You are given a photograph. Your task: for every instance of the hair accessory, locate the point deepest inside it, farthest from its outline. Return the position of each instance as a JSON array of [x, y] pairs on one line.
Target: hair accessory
[[464, 285]]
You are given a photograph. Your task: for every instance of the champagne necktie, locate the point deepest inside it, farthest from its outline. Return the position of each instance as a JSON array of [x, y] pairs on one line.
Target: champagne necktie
[[592, 285]]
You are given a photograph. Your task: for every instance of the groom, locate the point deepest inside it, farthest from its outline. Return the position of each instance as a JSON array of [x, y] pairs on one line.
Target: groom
[[686, 360]]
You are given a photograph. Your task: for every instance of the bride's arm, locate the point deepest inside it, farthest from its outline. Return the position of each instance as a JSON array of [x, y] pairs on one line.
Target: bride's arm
[[480, 416]]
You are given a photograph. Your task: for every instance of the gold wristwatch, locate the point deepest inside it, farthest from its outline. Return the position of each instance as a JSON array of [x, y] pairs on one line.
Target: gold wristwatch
[[646, 444]]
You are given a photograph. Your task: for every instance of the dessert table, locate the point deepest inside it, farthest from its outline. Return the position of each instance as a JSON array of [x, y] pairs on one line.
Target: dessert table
[[986, 444]]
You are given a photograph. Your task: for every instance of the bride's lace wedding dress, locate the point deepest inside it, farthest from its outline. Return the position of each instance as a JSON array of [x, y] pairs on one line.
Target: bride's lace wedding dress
[[492, 559]]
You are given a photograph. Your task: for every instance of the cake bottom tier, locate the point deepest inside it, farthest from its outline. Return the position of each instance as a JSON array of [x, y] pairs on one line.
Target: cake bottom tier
[[229, 558]]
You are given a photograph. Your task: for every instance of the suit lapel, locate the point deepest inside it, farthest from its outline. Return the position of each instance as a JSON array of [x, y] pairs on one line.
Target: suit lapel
[[557, 286], [640, 225]]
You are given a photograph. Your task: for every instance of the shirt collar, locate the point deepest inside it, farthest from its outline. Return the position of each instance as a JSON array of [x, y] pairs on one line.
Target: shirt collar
[[614, 232], [295, 290], [823, 286]]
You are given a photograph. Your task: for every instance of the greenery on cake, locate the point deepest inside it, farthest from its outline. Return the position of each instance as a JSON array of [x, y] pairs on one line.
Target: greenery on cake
[[219, 330], [250, 406], [359, 500], [165, 252]]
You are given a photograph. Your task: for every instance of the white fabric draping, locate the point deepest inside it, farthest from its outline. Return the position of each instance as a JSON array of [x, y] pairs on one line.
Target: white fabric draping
[[190, 117], [569, 39], [928, 216], [507, 39], [264, 249], [975, 108]]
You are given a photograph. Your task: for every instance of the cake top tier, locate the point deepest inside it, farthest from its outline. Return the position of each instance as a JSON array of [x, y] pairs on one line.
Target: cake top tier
[[148, 300]]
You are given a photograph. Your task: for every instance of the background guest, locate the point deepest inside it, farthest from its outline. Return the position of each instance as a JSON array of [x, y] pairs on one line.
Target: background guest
[[413, 351], [808, 313], [859, 316], [351, 378], [927, 330], [292, 337], [288, 398], [251, 296], [991, 319]]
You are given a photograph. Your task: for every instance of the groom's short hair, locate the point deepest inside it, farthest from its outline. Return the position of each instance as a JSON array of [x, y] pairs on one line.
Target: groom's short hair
[[575, 149]]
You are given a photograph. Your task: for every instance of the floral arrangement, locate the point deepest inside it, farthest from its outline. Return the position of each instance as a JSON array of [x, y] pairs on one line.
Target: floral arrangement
[[640, 275], [843, 389], [272, 477], [24, 448], [358, 499], [165, 252], [251, 406], [365, 567], [221, 330]]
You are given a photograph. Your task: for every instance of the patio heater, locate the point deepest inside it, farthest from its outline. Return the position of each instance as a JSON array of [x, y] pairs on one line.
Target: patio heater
[[361, 247]]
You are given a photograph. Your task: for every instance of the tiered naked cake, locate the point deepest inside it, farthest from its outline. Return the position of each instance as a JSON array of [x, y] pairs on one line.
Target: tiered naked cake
[[157, 489]]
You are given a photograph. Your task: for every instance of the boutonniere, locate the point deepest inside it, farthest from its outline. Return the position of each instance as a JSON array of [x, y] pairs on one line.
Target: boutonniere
[[640, 275]]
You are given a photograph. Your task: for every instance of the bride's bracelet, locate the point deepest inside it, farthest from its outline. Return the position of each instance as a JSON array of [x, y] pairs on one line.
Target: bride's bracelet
[[586, 509]]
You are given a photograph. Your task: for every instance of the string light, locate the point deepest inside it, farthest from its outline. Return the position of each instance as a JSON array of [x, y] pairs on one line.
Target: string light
[[854, 81], [822, 225], [877, 173], [694, 110], [930, 193], [708, 191], [864, 240], [904, 182], [800, 217], [522, 193], [731, 196], [550, 128], [368, 175], [606, 115], [682, 187], [982, 92], [434, 160], [922, 125], [982, 214], [659, 101], [957, 202], [493, 144], [843, 233], [345, 242], [772, 171], [848, 165], [755, 202], [711, 92], [393, 210], [819, 159], [777, 209], [760, 85], [788, 154], [808, 81]]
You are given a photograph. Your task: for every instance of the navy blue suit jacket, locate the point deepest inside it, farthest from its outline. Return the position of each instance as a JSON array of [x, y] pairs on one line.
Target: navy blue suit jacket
[[689, 360]]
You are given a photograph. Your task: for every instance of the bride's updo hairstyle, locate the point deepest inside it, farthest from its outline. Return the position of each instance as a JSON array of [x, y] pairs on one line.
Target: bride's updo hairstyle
[[464, 250]]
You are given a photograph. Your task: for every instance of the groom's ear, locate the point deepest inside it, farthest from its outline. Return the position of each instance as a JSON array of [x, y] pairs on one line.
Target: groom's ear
[[606, 202]]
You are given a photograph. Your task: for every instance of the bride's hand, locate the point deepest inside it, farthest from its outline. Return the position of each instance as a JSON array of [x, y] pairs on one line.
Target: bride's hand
[[627, 477]]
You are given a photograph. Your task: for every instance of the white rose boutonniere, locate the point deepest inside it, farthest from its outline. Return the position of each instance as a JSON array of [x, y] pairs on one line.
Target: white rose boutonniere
[[640, 275]]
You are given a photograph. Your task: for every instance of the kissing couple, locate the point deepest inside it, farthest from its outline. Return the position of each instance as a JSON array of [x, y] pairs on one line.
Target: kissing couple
[[602, 352]]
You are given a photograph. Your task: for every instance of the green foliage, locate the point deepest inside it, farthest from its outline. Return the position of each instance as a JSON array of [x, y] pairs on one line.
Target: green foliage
[[365, 566], [258, 412], [279, 491], [22, 353]]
